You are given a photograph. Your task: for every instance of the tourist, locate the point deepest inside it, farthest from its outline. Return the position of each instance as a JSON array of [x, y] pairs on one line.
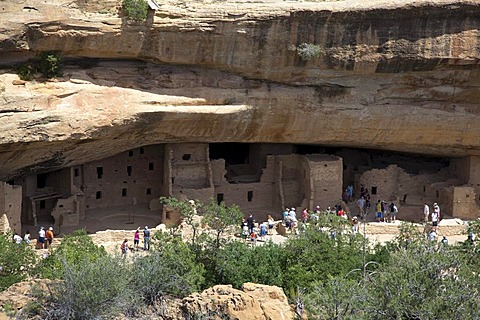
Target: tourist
[[49, 236], [355, 224], [285, 215], [41, 237], [434, 219], [263, 231], [124, 248], [386, 211], [432, 236], [361, 206], [250, 223], [271, 224], [317, 210], [244, 229], [436, 208], [26, 238], [393, 212], [379, 211], [444, 241], [350, 192], [293, 223], [426, 213], [146, 239], [305, 215], [136, 239], [17, 239]]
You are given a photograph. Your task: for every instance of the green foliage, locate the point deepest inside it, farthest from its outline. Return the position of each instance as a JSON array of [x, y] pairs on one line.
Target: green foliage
[[220, 217], [423, 282], [50, 64], [408, 234], [26, 71], [238, 263], [335, 298], [136, 10], [16, 261], [309, 51], [74, 249], [170, 270], [91, 290], [314, 255]]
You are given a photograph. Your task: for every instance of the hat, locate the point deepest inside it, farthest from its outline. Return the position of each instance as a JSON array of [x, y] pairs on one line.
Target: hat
[[42, 228], [51, 229], [293, 209], [435, 204], [146, 227], [354, 218]]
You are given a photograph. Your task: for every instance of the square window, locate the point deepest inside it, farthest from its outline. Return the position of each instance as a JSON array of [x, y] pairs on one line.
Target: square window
[[124, 192], [98, 195], [142, 151], [129, 170], [374, 190], [76, 172], [130, 153], [150, 166], [149, 191]]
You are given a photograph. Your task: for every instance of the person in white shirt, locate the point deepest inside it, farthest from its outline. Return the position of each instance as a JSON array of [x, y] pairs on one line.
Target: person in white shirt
[[426, 212], [17, 239]]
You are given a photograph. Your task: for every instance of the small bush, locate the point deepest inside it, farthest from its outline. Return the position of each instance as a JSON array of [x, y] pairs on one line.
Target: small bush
[[50, 64], [91, 290], [26, 72], [16, 260], [309, 51], [172, 270], [136, 9]]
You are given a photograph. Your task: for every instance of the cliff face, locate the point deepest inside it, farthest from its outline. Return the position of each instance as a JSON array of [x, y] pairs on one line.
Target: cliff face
[[394, 76]]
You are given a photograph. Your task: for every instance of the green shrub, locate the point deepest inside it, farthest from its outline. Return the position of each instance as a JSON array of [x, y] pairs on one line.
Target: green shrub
[[309, 51], [238, 263], [16, 261], [91, 290], [136, 10], [74, 249], [50, 64], [172, 270], [26, 71]]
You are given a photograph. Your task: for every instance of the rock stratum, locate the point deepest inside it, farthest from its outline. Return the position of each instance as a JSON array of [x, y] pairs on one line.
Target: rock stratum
[[391, 75]]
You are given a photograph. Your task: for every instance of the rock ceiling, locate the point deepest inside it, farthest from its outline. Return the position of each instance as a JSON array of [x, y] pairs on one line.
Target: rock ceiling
[[392, 75]]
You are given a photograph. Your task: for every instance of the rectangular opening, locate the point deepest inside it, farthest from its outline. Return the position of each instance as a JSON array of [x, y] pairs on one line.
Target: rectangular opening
[[76, 172], [142, 151], [124, 192], [129, 170], [130, 153], [99, 172], [149, 191], [41, 180], [150, 166], [249, 196], [186, 156], [219, 198], [374, 190], [42, 204], [98, 195]]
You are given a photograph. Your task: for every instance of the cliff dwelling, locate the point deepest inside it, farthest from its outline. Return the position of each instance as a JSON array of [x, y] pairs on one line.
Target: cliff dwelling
[[260, 178], [199, 102]]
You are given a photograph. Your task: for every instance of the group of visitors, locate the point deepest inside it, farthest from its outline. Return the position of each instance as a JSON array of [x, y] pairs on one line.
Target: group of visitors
[[386, 212], [252, 230], [45, 238], [124, 248]]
